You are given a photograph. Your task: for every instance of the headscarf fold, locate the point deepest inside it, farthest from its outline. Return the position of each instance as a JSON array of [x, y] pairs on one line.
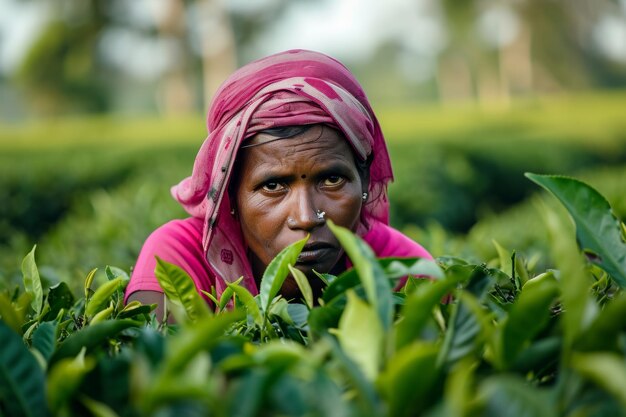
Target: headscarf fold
[[296, 87]]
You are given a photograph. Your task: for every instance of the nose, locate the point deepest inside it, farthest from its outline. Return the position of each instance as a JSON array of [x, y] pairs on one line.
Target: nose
[[304, 213]]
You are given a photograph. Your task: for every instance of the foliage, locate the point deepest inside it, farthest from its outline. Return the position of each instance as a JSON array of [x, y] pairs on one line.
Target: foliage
[[510, 342], [90, 189]]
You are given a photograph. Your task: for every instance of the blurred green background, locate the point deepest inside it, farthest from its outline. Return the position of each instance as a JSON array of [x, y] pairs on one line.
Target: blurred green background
[[102, 103]]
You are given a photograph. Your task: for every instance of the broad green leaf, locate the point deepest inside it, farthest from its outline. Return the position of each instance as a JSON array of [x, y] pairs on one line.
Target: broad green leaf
[[90, 337], [10, 315], [32, 281], [135, 308], [418, 308], [604, 332], [299, 314], [525, 319], [188, 384], [574, 282], [371, 274], [103, 314], [202, 336], [504, 256], [180, 289], [252, 387], [410, 380], [460, 389], [467, 320], [59, 297], [98, 409], [303, 285], [249, 302], [607, 370], [511, 396], [598, 231], [324, 318], [540, 355], [102, 297], [22, 387], [113, 272], [44, 338], [277, 271], [280, 354], [418, 267], [361, 335], [367, 399], [394, 268], [64, 380]]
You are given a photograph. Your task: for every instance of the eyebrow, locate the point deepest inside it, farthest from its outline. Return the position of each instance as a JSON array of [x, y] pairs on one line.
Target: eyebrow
[[275, 174]]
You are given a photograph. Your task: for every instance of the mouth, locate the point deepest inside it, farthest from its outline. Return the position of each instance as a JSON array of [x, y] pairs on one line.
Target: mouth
[[314, 252]]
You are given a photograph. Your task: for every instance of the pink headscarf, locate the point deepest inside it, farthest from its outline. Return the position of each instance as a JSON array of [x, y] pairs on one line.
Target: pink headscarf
[[295, 87]]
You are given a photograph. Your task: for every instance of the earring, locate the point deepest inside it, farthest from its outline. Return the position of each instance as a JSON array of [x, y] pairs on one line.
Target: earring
[[364, 197], [232, 212], [320, 214]]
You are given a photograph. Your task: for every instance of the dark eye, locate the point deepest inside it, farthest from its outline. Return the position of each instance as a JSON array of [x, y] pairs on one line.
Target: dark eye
[[272, 186], [333, 180]]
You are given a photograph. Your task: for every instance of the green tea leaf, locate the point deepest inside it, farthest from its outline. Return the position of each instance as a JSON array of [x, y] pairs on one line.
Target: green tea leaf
[[367, 399], [227, 295], [410, 380], [22, 387], [418, 267], [102, 297], [511, 396], [370, 272], [361, 335], [44, 338], [64, 380], [32, 281], [460, 389], [604, 332], [303, 285], [90, 337], [598, 231], [98, 409], [88, 281], [418, 308], [574, 282], [202, 336], [135, 308], [180, 289], [607, 370], [277, 271], [10, 314], [467, 321], [526, 318], [249, 302], [59, 297]]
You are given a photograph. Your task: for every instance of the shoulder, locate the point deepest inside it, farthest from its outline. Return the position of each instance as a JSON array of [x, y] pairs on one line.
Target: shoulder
[[179, 229], [178, 242], [387, 242]]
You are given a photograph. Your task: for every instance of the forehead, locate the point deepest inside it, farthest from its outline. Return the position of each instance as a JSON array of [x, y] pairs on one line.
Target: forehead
[[317, 144]]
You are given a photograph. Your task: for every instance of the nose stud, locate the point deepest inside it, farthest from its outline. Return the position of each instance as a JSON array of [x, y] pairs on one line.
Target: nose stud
[[320, 214]]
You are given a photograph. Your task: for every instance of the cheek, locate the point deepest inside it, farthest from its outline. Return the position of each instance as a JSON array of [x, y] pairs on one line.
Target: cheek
[[346, 211], [259, 226]]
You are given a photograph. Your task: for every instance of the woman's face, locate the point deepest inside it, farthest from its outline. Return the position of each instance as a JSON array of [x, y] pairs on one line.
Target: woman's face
[[283, 183]]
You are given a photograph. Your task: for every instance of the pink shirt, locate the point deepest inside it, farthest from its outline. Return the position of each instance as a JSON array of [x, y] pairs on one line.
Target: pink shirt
[[180, 242]]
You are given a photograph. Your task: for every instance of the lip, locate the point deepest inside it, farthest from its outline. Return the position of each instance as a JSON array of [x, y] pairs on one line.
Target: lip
[[313, 252]]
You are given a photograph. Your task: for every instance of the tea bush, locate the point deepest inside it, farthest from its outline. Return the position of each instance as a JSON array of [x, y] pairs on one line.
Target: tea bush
[[507, 340]]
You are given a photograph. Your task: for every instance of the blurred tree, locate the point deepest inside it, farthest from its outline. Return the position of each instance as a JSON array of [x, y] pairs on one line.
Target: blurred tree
[[60, 70]]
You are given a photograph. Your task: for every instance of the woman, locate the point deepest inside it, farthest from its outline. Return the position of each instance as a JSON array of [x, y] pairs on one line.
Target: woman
[[292, 143]]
